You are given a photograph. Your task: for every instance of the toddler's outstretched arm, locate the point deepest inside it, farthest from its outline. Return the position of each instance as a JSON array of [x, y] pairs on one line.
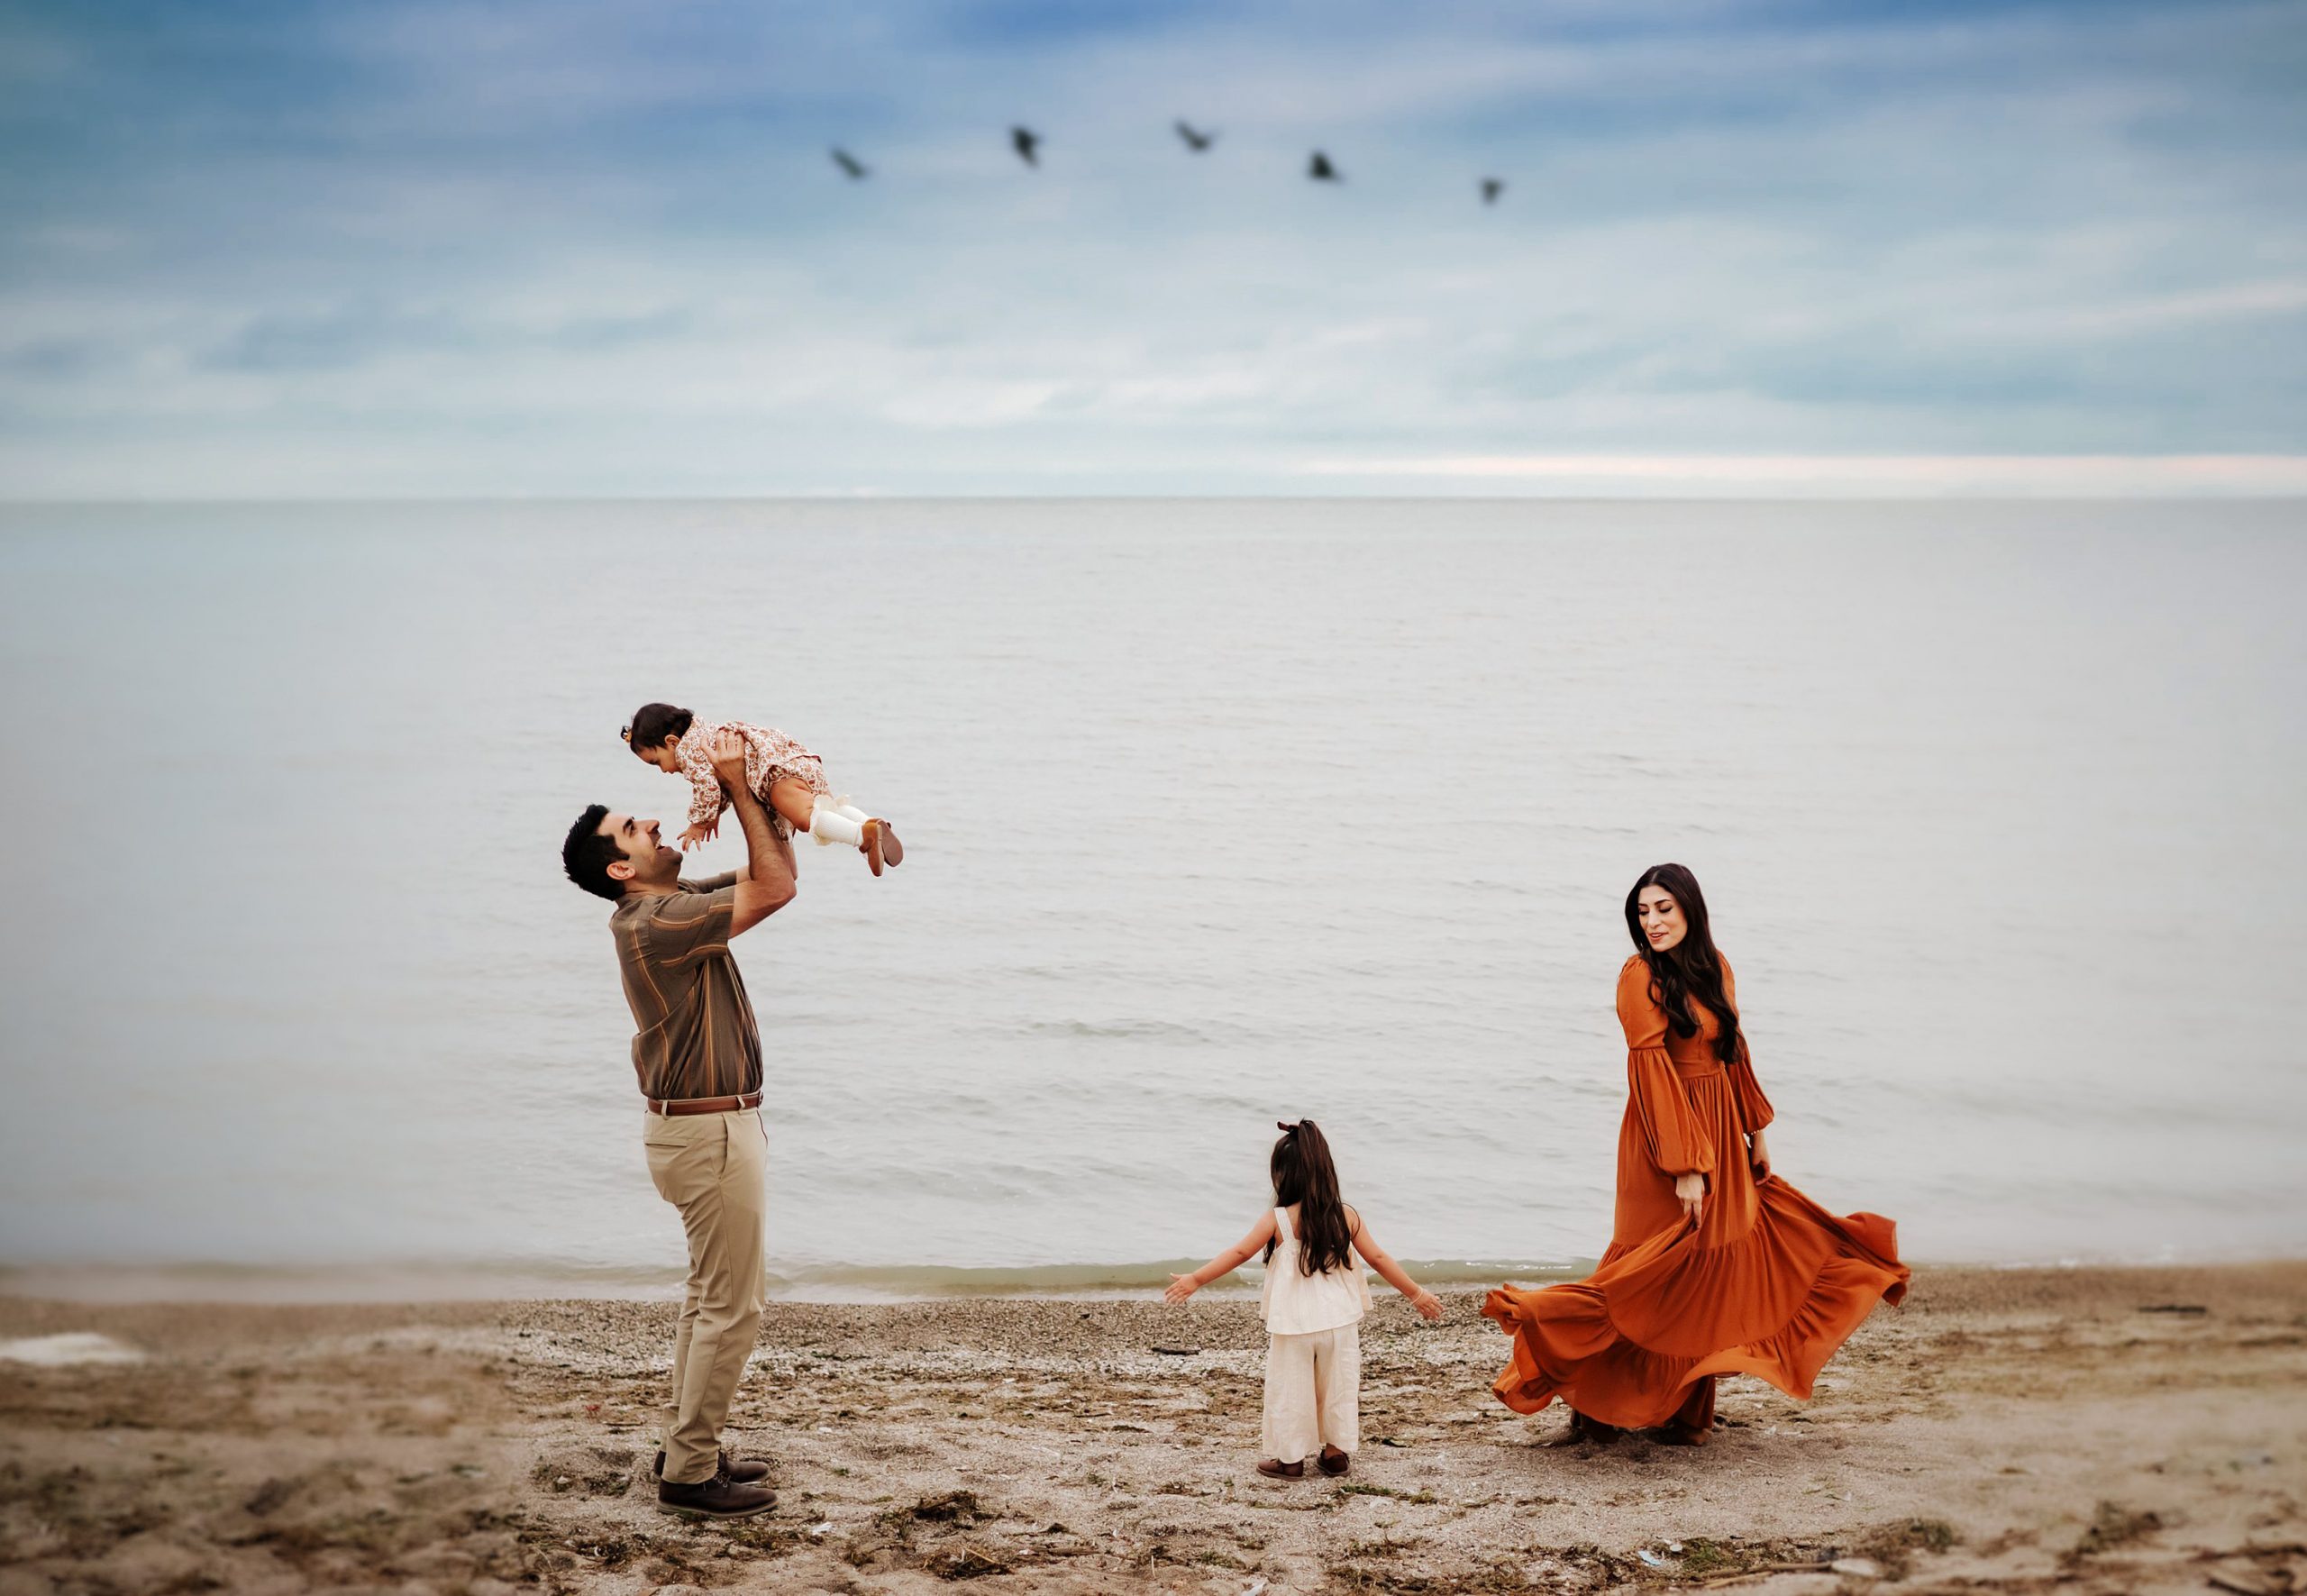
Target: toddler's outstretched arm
[[1427, 1304], [1182, 1286]]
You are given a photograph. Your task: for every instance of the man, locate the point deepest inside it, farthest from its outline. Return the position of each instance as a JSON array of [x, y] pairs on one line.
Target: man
[[697, 1054]]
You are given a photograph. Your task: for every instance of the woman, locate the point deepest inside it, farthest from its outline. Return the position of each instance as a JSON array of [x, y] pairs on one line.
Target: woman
[[1715, 1266]]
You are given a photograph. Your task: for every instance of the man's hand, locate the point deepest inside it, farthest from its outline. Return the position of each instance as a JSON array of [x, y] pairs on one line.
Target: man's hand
[[729, 759]]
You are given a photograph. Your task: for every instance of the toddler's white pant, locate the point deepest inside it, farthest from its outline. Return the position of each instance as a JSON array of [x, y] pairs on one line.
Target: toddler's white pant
[[1313, 1393]]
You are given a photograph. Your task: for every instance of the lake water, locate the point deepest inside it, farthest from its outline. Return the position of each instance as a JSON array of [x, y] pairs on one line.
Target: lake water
[[1215, 812]]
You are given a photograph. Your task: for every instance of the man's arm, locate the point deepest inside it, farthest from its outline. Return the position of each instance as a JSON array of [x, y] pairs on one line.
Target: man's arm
[[767, 885]]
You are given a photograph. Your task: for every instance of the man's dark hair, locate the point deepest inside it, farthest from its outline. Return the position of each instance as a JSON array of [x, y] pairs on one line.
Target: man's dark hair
[[654, 723], [587, 855]]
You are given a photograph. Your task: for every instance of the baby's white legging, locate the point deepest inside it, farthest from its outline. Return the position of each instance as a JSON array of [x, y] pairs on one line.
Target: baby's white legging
[[831, 822], [1313, 1393]]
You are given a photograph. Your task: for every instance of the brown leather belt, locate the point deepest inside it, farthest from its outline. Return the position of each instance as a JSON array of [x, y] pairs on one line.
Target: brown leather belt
[[750, 1099]]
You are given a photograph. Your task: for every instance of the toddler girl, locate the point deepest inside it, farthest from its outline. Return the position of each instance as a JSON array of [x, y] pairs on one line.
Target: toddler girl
[[785, 776], [1314, 1300]]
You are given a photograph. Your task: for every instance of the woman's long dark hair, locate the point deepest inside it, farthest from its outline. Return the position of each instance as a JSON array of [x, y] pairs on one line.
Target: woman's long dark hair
[[1304, 1175], [1690, 969]]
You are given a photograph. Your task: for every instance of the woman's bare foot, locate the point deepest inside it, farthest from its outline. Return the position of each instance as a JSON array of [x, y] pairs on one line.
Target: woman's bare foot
[[1679, 1434], [1583, 1429]]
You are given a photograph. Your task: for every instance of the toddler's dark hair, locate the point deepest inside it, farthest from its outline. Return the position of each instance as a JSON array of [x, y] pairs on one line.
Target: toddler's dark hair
[[654, 723], [1303, 1174]]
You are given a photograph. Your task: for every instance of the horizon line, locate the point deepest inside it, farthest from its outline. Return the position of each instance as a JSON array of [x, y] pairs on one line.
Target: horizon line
[[1869, 478], [1915, 476], [348, 501]]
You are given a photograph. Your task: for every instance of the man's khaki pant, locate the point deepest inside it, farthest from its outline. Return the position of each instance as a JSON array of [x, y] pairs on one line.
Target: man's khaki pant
[[711, 1167]]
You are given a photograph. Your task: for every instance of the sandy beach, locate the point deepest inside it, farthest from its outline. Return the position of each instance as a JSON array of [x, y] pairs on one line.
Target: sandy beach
[[2083, 1430]]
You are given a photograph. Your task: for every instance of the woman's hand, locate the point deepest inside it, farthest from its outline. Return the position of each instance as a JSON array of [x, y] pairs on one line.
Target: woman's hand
[[1758, 1155], [1181, 1286], [1428, 1306], [1690, 1190]]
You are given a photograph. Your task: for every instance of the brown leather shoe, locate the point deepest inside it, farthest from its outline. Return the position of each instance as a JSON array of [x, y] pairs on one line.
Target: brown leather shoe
[[1333, 1463], [880, 845], [717, 1498], [1274, 1469], [744, 1471]]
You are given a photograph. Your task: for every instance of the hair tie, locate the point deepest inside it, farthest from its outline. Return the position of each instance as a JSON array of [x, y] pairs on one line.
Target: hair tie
[[625, 732], [1287, 1130]]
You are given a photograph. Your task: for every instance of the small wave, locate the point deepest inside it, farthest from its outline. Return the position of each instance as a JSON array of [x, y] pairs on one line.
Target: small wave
[[532, 1278], [866, 1283], [1142, 1030]]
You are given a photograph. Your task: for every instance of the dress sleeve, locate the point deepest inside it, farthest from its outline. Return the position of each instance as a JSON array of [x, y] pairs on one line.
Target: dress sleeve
[[705, 799], [1669, 1130], [1754, 1108]]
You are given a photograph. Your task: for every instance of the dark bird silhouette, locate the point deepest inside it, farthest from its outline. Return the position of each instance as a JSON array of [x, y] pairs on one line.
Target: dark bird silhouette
[[1024, 140], [849, 163], [1195, 141], [1321, 170], [1491, 188]]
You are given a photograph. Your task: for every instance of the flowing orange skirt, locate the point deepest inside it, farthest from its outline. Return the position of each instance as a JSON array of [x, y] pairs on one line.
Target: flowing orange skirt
[[1768, 1284]]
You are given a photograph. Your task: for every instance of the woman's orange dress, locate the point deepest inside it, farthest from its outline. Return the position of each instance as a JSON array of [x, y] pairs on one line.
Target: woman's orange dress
[[1767, 1283]]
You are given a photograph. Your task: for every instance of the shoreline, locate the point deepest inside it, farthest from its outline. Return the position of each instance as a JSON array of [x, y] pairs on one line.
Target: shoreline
[[286, 1285], [389, 1283], [2009, 1429]]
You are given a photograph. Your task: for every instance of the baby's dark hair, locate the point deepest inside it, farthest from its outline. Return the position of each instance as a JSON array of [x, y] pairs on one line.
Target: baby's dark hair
[[654, 723], [1304, 1175]]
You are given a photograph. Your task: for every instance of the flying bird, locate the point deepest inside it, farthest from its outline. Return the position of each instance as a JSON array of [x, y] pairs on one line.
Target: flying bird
[[1491, 188], [1195, 141], [1321, 170], [849, 163], [1024, 140]]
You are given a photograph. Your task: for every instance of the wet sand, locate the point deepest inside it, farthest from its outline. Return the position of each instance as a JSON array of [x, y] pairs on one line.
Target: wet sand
[[2079, 1430]]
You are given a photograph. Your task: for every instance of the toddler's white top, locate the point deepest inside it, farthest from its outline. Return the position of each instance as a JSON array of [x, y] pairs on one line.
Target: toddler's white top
[[1299, 1304]]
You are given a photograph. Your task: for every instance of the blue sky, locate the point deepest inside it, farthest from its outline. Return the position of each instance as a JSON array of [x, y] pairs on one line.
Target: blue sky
[[596, 247]]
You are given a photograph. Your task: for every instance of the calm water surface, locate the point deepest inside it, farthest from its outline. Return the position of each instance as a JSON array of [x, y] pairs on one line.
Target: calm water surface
[[1215, 812]]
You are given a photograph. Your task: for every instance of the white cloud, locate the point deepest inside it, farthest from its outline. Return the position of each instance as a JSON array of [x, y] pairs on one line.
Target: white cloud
[[601, 249]]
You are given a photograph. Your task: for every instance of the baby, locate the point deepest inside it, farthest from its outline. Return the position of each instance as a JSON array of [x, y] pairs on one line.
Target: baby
[[786, 776]]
